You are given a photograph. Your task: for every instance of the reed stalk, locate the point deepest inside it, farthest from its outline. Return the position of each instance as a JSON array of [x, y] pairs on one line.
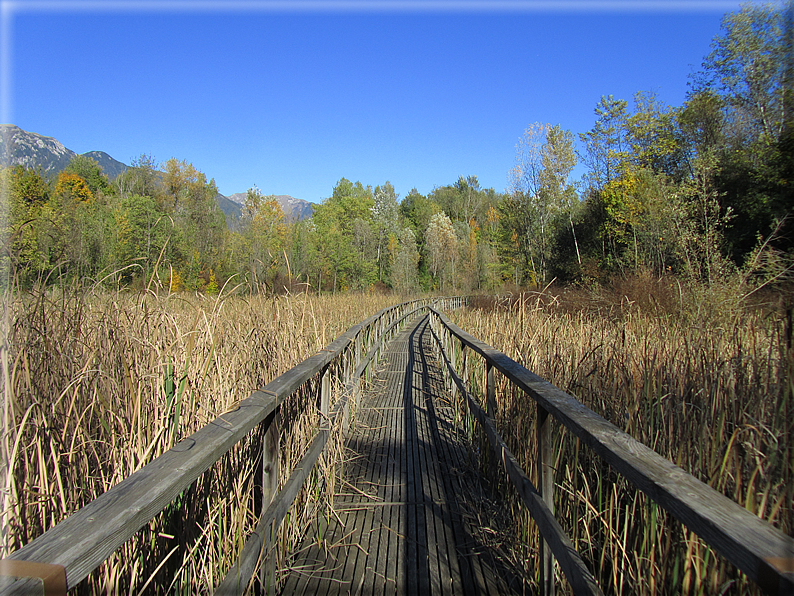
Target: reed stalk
[[703, 382], [98, 384]]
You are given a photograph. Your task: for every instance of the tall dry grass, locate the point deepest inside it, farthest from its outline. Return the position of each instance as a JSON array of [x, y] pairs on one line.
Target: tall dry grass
[[98, 384], [702, 378]]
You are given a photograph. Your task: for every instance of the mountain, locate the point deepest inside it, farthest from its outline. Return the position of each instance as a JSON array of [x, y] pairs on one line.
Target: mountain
[[230, 209], [294, 209], [32, 150], [110, 166]]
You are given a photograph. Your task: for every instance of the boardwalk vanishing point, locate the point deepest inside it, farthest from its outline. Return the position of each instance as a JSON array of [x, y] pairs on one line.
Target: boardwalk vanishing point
[[401, 523]]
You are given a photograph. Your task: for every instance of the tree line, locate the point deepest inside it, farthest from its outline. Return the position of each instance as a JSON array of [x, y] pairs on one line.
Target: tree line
[[697, 191]]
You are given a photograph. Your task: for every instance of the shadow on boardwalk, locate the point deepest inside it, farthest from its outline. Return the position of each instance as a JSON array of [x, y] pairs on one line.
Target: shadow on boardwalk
[[412, 515]]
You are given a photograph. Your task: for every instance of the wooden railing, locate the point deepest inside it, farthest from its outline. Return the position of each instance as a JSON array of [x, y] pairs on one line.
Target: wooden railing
[[761, 551], [63, 556]]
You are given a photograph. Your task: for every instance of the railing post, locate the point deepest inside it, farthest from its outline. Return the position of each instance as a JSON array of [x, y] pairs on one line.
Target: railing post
[[546, 488], [490, 391], [270, 470], [350, 368], [453, 388], [323, 402], [464, 377], [325, 398]]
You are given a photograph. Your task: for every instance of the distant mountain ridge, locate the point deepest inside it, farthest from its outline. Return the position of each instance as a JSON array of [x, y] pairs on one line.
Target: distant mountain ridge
[[32, 150], [294, 209]]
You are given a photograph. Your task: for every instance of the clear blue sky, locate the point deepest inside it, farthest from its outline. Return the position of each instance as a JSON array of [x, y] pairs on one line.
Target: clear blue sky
[[293, 96]]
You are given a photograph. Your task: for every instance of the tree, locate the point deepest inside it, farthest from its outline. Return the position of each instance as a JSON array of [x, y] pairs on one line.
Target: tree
[[142, 178], [404, 260], [558, 160], [141, 233], [520, 209], [542, 195], [72, 186], [385, 215], [193, 203], [28, 186], [606, 145], [89, 170], [462, 200], [442, 246], [341, 223], [28, 223], [654, 137], [746, 66], [262, 231], [744, 79]]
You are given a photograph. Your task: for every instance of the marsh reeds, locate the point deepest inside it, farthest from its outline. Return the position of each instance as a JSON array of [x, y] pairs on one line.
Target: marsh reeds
[[705, 383], [97, 384]]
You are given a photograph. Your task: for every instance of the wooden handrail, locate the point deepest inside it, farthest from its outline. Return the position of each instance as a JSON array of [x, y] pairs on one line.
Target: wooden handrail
[[85, 539], [580, 578], [257, 546], [757, 548]]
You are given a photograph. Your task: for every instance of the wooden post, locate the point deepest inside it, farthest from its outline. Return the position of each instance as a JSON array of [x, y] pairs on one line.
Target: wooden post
[[350, 367], [324, 482], [464, 377], [546, 488], [490, 391], [325, 398], [451, 355], [270, 469]]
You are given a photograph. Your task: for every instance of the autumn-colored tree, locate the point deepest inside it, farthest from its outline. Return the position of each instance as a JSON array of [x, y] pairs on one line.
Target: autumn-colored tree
[[27, 224], [73, 186], [90, 171], [27, 185]]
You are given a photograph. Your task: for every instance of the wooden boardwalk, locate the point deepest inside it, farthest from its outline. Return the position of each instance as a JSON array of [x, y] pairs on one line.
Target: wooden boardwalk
[[410, 514]]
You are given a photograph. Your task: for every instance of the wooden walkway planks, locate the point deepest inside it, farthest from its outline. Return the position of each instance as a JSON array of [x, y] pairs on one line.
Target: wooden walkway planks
[[402, 520]]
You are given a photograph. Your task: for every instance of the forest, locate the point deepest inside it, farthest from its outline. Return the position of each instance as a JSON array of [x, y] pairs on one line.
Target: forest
[[701, 192]]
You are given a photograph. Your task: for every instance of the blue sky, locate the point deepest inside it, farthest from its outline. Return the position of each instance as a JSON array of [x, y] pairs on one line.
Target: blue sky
[[293, 96]]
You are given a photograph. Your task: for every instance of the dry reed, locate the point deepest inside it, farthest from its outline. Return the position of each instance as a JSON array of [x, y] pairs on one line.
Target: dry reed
[[707, 386], [97, 384]]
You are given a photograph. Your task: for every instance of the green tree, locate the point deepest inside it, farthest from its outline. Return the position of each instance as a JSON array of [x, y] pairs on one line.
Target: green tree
[[404, 256], [442, 247], [747, 66], [29, 225], [385, 217], [606, 145], [542, 196], [744, 79], [262, 231], [89, 170], [341, 236], [142, 178], [28, 185], [654, 136]]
